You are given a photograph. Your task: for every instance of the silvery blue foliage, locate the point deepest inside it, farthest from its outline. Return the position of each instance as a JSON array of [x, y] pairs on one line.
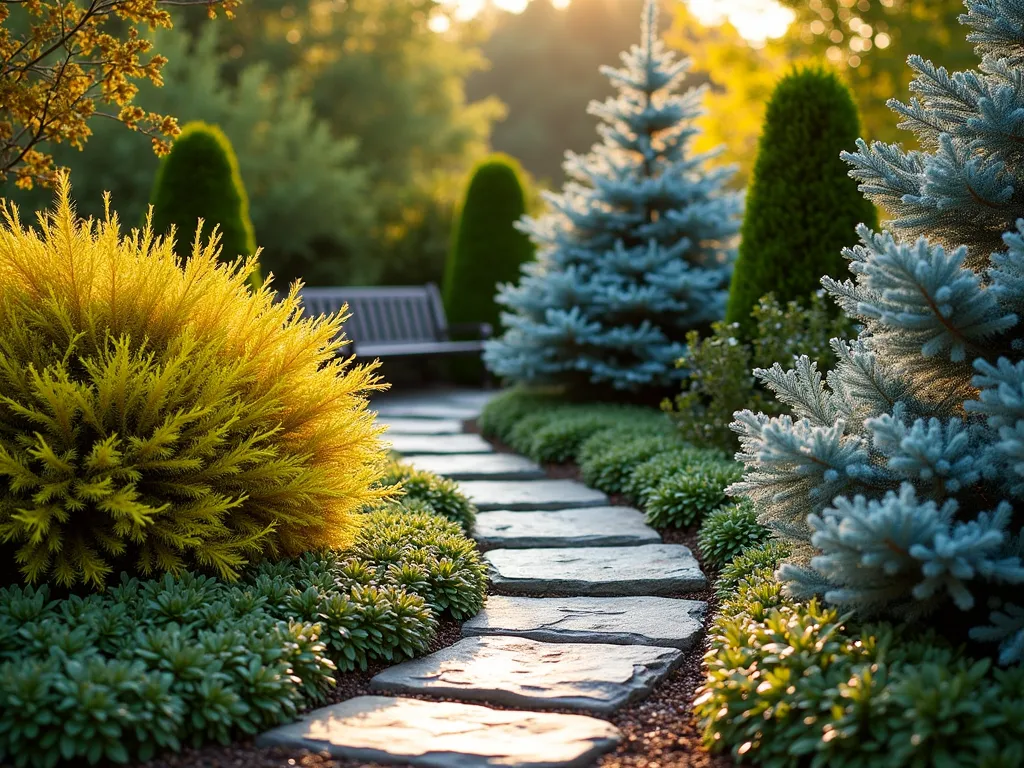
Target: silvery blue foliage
[[634, 252], [900, 476]]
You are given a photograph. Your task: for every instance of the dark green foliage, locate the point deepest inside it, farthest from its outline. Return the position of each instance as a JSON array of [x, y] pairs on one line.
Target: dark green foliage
[[486, 249], [610, 469], [623, 430], [199, 179], [802, 206], [761, 558], [728, 531], [647, 476], [154, 665], [501, 414], [720, 367], [440, 494], [848, 697], [686, 498]]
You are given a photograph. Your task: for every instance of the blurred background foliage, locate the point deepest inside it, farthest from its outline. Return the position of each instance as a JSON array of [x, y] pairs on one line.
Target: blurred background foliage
[[356, 121]]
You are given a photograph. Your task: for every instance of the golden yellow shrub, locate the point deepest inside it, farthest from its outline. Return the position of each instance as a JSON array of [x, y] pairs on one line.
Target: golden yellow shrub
[[158, 414]]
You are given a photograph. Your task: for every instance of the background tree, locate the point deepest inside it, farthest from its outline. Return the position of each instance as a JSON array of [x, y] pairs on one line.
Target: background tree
[[802, 207], [898, 478], [634, 252], [308, 190], [524, 49], [199, 182], [487, 249], [61, 62], [376, 71]]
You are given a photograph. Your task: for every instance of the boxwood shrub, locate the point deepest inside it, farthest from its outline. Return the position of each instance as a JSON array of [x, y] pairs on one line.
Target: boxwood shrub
[[684, 499]]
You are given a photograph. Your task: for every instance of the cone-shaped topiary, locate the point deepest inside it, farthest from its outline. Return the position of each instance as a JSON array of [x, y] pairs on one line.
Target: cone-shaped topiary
[[802, 208], [157, 415], [487, 249], [636, 250], [199, 179]]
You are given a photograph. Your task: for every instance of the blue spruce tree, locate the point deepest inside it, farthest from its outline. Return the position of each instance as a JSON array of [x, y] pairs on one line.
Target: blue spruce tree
[[901, 473], [634, 252]]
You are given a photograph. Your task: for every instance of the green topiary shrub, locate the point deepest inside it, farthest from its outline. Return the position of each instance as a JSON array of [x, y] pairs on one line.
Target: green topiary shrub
[[487, 249], [647, 476], [440, 494], [728, 531], [199, 179], [610, 470], [159, 416], [686, 498], [802, 207]]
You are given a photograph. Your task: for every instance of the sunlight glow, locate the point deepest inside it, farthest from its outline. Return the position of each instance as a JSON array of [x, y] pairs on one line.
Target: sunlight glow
[[756, 20]]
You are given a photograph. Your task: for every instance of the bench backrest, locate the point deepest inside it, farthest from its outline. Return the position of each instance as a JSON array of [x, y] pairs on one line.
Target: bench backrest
[[385, 314]]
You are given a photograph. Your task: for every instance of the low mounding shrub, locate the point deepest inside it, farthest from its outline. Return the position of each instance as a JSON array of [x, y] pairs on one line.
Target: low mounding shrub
[[439, 494], [503, 412], [610, 469], [763, 558], [720, 378], [158, 416], [728, 531], [686, 498], [154, 665], [848, 697], [647, 476]]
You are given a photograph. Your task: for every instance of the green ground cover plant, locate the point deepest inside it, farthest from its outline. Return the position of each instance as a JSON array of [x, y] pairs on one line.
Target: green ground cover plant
[[728, 531], [436, 494], [153, 665]]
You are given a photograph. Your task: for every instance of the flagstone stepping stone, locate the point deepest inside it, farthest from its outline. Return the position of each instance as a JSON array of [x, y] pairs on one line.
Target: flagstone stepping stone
[[650, 569], [660, 621], [384, 729], [401, 426], [531, 494], [588, 527], [516, 671], [426, 410], [438, 444], [474, 466]]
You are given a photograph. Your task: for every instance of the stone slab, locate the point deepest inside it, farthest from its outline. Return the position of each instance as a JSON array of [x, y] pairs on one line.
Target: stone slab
[[531, 494], [383, 729], [588, 527], [650, 569], [661, 621], [519, 672], [477, 466], [399, 426], [438, 444], [434, 409]]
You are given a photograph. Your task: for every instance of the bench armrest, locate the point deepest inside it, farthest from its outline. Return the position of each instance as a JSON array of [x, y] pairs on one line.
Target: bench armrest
[[480, 330]]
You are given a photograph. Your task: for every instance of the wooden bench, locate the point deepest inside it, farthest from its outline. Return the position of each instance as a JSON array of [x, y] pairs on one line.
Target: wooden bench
[[396, 321]]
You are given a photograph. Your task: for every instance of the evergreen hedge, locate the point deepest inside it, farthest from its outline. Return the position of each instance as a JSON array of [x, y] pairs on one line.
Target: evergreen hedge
[[487, 250], [199, 179], [802, 208]]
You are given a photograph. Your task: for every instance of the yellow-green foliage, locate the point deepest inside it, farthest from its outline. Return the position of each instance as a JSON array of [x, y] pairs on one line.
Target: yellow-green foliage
[[156, 415]]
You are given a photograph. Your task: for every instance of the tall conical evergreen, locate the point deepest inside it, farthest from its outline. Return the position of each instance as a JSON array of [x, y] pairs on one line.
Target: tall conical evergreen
[[634, 252], [902, 478], [802, 208], [486, 249], [199, 179]]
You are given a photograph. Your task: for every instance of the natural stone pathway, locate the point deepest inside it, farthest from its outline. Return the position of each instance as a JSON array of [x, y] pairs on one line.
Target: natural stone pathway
[[600, 638]]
